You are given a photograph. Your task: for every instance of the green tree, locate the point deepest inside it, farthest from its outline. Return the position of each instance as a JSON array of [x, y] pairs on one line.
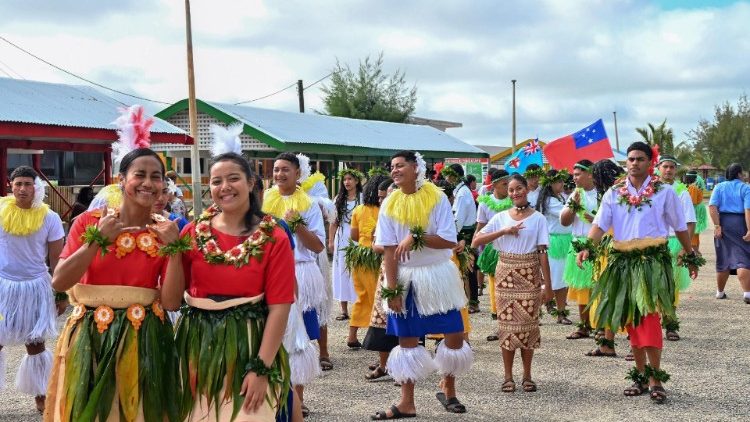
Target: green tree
[[660, 135], [369, 93], [726, 139]]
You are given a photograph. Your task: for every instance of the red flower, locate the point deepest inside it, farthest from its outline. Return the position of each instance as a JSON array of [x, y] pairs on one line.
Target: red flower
[[211, 246], [202, 227], [255, 236], [267, 218], [634, 200], [623, 190], [648, 191], [235, 252]]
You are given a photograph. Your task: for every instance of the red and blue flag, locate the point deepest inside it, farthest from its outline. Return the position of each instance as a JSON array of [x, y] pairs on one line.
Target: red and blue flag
[[531, 153], [589, 143]]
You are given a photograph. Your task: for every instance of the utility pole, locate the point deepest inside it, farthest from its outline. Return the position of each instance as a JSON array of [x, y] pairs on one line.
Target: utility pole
[[301, 95], [617, 136], [514, 116], [195, 161]]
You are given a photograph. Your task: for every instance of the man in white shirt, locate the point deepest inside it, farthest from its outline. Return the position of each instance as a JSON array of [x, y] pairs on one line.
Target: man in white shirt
[[29, 234], [637, 286], [532, 174]]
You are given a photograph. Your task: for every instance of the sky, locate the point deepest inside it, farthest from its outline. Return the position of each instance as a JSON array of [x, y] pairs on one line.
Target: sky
[[574, 61]]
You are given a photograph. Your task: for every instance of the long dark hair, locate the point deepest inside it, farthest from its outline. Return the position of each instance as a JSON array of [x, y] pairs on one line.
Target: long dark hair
[[341, 198], [128, 159], [545, 194], [605, 173], [254, 212], [370, 191], [734, 171]]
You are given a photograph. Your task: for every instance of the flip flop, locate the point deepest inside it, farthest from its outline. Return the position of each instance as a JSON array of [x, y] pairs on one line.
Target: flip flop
[[326, 364], [597, 353], [452, 404], [376, 373], [342, 317], [382, 415], [578, 335], [658, 394], [355, 345]]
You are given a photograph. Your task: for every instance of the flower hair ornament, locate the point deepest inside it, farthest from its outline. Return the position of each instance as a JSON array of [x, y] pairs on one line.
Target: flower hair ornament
[[133, 130], [226, 139], [421, 170], [39, 192], [304, 167], [172, 187]]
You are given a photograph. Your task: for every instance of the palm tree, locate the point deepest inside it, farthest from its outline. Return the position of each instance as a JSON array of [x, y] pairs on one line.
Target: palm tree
[[660, 135]]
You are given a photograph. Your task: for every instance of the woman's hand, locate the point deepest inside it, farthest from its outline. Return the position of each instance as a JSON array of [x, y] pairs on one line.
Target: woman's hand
[[254, 389], [396, 304], [717, 232], [512, 230], [166, 231], [581, 257], [404, 247], [110, 226]]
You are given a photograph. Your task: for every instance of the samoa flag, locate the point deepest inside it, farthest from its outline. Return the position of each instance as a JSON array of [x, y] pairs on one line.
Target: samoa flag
[[590, 143]]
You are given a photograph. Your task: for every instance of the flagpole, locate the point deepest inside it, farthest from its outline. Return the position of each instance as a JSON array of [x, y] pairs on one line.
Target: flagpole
[[617, 137], [514, 115], [193, 116]]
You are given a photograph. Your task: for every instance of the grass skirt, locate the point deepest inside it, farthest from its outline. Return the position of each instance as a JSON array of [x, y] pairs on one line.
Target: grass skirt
[[214, 346], [487, 261], [681, 274], [123, 372], [636, 281], [434, 289], [559, 243], [575, 277], [28, 311], [312, 293]]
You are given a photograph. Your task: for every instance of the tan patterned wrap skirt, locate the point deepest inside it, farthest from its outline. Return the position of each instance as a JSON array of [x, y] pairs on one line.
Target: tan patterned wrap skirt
[[518, 286]]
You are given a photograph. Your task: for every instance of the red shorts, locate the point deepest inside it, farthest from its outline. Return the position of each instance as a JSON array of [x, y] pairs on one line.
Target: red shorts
[[647, 333]]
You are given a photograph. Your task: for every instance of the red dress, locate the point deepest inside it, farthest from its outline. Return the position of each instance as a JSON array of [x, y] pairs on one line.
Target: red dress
[[136, 269], [272, 275]]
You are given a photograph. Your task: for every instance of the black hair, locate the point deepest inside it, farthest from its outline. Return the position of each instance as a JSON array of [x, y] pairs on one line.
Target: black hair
[[470, 178], [641, 146], [255, 204], [570, 184], [689, 178], [458, 168], [128, 159], [370, 191], [341, 198], [533, 167], [605, 173], [288, 156], [491, 172], [85, 195], [446, 187], [519, 178], [407, 155], [586, 163], [545, 194], [23, 171], [385, 183], [734, 171]]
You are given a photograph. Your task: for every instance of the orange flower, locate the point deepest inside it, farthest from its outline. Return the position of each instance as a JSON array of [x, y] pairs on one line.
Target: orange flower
[[78, 312], [147, 243], [136, 314], [103, 316], [158, 310], [125, 244]]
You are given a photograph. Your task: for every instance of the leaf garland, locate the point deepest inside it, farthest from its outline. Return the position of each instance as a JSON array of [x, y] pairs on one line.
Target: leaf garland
[[358, 257], [494, 204]]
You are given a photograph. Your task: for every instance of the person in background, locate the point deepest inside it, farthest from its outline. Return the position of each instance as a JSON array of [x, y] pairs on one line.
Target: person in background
[[729, 208], [696, 186], [83, 200], [471, 182], [532, 175]]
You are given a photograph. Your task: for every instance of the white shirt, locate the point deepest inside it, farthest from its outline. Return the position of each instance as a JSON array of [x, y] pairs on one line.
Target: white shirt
[[464, 207], [581, 227], [687, 207], [314, 219], [533, 234], [389, 232], [554, 207], [24, 258], [484, 189], [651, 221], [484, 213], [533, 196]]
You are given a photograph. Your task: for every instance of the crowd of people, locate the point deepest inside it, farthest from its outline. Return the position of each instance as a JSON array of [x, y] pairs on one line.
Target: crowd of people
[[411, 256]]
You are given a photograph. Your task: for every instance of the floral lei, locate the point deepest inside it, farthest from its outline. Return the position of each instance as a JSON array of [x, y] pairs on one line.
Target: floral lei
[[238, 255], [637, 201]]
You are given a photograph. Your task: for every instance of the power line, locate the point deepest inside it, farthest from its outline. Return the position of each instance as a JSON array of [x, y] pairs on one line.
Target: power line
[[6, 66], [318, 81], [6, 73], [81, 77], [268, 95]]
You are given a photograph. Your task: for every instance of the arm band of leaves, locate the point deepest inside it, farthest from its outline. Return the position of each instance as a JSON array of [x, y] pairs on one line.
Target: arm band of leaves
[[692, 260], [60, 296], [580, 245], [388, 294], [92, 235], [296, 222], [183, 244], [418, 234], [257, 366]]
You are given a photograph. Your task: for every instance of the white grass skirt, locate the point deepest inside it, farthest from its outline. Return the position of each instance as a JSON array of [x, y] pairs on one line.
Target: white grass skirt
[[437, 288], [324, 314], [28, 310], [343, 286], [311, 287], [303, 354]]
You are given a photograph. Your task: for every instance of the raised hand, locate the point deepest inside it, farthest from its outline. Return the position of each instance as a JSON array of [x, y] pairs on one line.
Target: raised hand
[[110, 225]]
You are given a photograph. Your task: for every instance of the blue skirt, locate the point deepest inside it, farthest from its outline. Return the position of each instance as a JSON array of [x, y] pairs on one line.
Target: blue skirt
[[412, 324], [311, 324], [732, 252]]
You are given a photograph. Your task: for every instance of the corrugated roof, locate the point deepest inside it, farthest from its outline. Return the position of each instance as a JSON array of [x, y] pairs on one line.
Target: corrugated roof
[[339, 131], [23, 101]]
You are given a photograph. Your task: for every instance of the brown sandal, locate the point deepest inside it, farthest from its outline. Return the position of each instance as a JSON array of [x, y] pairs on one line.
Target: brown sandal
[[635, 390], [509, 386], [529, 386], [579, 334], [376, 373]]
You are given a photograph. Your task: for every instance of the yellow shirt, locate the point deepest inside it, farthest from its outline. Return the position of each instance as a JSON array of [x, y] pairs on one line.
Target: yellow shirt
[[364, 218]]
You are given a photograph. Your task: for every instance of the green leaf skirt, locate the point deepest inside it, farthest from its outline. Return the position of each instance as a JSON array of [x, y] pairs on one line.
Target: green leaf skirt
[[681, 274], [487, 261], [575, 277]]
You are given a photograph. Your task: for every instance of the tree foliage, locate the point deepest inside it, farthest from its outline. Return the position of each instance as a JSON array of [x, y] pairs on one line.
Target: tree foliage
[[726, 139], [660, 135], [369, 93]]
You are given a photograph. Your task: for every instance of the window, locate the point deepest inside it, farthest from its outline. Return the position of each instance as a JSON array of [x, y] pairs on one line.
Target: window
[[187, 165]]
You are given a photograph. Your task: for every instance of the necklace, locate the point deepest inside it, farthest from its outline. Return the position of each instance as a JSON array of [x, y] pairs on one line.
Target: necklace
[[238, 255], [522, 207], [637, 201]]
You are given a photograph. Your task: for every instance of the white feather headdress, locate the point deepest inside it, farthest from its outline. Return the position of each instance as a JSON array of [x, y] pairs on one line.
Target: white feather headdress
[[421, 170], [226, 139], [39, 192], [304, 167], [133, 130], [172, 187]]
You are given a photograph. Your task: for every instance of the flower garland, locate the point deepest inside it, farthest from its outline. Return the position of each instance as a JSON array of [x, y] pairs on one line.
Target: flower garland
[[637, 201], [494, 204], [19, 221], [238, 255], [414, 209]]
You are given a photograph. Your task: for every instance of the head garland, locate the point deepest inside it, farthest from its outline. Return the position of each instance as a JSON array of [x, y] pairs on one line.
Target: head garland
[[554, 177], [304, 167], [377, 170], [133, 130], [535, 172], [499, 175], [172, 187], [226, 139], [356, 174], [666, 157], [582, 167], [449, 172]]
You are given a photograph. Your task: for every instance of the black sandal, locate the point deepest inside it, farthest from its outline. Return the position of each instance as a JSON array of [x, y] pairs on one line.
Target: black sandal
[[658, 394], [354, 345], [673, 335], [376, 373], [493, 338], [305, 411], [373, 366], [342, 317], [578, 334], [529, 386], [509, 386], [597, 353], [452, 404], [326, 364], [382, 415], [635, 390]]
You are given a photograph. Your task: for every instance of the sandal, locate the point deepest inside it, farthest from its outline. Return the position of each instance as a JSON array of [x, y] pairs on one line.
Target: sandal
[[382, 415], [509, 386], [452, 404], [578, 334], [529, 386], [473, 309], [376, 373], [493, 337], [305, 411], [373, 366], [629, 357], [354, 345], [342, 317], [673, 336], [658, 394], [597, 353], [564, 321], [635, 390], [326, 364]]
